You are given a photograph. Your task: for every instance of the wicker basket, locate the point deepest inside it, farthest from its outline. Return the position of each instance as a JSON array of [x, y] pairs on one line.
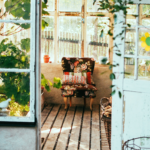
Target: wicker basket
[[107, 120]]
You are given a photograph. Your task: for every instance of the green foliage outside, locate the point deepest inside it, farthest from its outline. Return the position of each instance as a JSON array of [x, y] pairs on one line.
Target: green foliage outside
[[47, 84], [16, 85]]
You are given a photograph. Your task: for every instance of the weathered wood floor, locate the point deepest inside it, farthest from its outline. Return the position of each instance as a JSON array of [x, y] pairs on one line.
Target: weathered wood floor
[[76, 128]]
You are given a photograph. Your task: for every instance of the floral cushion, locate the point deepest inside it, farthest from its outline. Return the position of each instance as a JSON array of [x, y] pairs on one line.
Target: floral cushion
[[79, 90], [74, 79], [77, 81]]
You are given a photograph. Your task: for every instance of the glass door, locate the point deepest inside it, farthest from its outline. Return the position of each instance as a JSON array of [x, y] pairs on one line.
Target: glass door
[[17, 61], [137, 47]]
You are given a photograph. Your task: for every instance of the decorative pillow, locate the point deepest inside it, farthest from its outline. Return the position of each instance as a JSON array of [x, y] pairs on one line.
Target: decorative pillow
[[88, 77], [74, 79]]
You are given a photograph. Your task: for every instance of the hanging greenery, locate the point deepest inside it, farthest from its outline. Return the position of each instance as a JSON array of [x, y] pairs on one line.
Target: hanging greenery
[[113, 7]]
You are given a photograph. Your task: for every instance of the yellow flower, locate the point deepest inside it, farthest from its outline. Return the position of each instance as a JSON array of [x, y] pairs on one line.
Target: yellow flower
[[146, 41]]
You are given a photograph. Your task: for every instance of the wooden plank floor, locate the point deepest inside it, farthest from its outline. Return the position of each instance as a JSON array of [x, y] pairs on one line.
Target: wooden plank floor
[[76, 128]]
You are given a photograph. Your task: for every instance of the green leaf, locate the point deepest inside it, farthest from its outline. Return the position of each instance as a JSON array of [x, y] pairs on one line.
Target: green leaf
[[115, 18], [112, 76], [118, 54], [109, 33], [127, 73], [44, 24], [50, 83], [112, 86], [25, 44], [94, 2], [129, 25], [102, 34], [104, 60], [47, 88], [120, 95], [103, 72], [100, 15], [45, 1], [113, 92]]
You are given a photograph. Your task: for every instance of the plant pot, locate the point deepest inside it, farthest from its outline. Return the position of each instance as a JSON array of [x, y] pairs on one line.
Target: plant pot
[[46, 58]]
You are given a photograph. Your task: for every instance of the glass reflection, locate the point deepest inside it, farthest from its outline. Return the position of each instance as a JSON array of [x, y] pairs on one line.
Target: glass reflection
[[12, 9], [129, 67], [70, 5], [143, 69], [14, 94], [14, 45], [130, 42]]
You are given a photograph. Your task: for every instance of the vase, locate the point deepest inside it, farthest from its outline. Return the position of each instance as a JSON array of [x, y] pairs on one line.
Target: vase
[[46, 58]]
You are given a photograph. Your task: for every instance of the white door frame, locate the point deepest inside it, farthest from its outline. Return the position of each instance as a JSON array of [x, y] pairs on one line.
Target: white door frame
[[122, 84]]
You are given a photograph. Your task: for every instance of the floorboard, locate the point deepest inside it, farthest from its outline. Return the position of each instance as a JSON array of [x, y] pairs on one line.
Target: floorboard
[[77, 128]]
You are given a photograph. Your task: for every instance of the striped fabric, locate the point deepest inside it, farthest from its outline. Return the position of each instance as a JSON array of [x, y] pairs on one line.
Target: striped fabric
[[74, 79]]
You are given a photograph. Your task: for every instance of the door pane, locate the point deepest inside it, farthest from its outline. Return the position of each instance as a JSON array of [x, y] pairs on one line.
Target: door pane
[[69, 37], [144, 15], [12, 9], [97, 46], [129, 67], [130, 42], [16, 87], [131, 9], [14, 45], [143, 69], [47, 41], [144, 42], [70, 5]]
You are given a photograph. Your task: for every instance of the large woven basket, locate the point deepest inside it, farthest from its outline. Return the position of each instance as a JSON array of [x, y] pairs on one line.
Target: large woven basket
[[107, 120]]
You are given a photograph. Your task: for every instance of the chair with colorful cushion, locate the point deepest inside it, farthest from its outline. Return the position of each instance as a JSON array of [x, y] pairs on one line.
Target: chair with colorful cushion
[[77, 79]]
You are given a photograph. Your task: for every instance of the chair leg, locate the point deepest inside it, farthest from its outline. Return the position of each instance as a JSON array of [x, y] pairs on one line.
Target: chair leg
[[84, 101], [70, 101], [91, 102], [65, 100]]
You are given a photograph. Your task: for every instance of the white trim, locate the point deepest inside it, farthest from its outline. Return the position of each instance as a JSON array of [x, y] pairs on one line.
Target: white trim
[[31, 70], [136, 45], [15, 70], [15, 21]]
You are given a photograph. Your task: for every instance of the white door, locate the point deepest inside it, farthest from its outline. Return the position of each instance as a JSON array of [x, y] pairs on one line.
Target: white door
[[131, 112]]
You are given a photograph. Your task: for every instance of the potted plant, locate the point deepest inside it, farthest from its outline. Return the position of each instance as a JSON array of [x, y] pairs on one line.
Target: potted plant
[[46, 84]]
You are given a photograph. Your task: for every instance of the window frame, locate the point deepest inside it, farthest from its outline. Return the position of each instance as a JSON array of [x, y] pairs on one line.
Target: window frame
[[31, 70], [84, 14]]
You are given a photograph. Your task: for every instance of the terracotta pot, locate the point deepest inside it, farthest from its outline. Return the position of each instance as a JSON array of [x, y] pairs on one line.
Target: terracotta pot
[[46, 58]]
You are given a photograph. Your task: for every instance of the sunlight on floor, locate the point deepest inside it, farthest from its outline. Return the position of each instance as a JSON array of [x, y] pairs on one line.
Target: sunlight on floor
[[57, 130]]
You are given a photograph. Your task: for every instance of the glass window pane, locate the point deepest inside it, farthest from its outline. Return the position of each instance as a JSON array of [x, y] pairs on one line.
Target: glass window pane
[[91, 7], [48, 40], [14, 94], [130, 42], [51, 5], [70, 5], [129, 67], [143, 69], [144, 15], [144, 42], [14, 45], [97, 46], [130, 20], [12, 9], [131, 9], [69, 37]]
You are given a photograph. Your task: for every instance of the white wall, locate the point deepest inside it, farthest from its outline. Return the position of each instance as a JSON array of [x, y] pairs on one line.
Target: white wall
[[102, 82], [17, 138]]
